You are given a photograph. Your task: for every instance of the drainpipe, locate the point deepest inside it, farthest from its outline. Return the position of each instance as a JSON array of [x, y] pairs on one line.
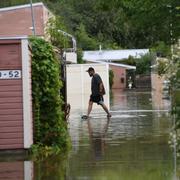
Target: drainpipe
[[67, 106], [32, 17], [72, 37]]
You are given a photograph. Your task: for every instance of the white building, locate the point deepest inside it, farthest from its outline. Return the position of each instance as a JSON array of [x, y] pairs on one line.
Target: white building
[[113, 55], [79, 85]]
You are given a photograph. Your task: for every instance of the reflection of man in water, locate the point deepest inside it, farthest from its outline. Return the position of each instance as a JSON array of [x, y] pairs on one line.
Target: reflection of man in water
[[98, 139]]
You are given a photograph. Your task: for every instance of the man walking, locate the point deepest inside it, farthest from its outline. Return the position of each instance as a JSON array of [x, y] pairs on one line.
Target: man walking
[[97, 92]]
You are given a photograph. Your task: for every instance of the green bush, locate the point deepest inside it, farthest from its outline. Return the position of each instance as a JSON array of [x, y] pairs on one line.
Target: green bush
[[80, 56], [143, 64], [50, 129], [111, 77], [84, 40], [161, 49]]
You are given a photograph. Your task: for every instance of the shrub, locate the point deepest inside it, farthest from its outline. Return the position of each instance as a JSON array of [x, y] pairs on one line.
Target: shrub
[[111, 77], [49, 125]]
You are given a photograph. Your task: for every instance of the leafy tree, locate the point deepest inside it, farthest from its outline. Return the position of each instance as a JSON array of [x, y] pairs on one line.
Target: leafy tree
[[161, 49], [126, 24], [57, 38], [84, 40], [162, 64], [131, 24], [5, 3], [79, 56], [143, 64]]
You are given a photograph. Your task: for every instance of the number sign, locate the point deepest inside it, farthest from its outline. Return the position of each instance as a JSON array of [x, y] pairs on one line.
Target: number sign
[[10, 74]]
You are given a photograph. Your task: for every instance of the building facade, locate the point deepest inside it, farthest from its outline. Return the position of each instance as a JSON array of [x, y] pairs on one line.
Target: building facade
[[16, 119], [109, 57], [17, 20]]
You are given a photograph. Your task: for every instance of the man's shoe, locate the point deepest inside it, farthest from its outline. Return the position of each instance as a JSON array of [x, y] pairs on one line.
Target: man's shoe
[[85, 117], [109, 115]]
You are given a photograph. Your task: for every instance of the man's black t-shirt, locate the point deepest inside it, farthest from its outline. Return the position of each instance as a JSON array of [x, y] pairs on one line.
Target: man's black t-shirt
[[96, 80]]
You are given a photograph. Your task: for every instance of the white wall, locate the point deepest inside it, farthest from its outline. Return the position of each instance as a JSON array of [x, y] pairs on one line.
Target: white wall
[[79, 85], [71, 57], [27, 97]]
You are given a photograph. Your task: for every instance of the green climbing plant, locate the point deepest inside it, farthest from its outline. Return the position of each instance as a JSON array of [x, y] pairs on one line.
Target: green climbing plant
[[50, 129], [111, 77]]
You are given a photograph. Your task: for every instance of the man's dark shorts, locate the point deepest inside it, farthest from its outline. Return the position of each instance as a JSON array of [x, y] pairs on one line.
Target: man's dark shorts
[[97, 99]]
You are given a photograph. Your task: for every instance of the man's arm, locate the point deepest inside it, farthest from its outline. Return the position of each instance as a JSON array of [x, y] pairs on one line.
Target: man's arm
[[101, 88], [100, 85]]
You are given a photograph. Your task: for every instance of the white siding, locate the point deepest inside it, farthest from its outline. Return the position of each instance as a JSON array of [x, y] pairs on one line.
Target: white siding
[[79, 85]]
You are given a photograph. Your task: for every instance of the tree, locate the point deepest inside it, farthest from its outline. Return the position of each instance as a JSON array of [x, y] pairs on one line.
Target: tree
[[143, 64], [56, 37], [127, 24], [84, 40]]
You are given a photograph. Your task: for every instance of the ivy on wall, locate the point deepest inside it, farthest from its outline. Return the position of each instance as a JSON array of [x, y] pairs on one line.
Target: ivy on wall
[[50, 129], [111, 77]]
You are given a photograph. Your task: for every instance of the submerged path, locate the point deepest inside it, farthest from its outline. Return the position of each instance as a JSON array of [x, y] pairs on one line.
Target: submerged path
[[132, 145]]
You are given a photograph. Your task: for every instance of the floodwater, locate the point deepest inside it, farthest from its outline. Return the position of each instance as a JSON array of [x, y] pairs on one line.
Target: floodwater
[[132, 145]]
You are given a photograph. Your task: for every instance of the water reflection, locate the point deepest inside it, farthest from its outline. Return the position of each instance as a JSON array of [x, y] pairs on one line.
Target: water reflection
[[97, 138], [18, 167], [132, 145], [15, 167], [53, 168]]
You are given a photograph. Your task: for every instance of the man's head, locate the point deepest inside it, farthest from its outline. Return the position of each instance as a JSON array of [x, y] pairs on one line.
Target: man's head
[[91, 71]]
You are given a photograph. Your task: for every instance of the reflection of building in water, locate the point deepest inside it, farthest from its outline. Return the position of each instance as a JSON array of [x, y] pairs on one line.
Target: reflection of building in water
[[18, 170], [159, 101], [119, 99], [73, 127], [97, 137]]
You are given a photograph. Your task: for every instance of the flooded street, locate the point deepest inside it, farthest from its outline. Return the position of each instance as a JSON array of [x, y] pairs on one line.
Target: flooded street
[[59, 57], [132, 145]]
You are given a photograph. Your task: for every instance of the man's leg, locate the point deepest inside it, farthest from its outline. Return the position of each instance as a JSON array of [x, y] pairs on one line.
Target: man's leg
[[89, 107], [105, 109]]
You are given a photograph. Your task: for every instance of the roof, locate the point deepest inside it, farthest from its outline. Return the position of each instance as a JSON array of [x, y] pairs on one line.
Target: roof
[[21, 6], [113, 55], [13, 37], [115, 64], [123, 65]]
